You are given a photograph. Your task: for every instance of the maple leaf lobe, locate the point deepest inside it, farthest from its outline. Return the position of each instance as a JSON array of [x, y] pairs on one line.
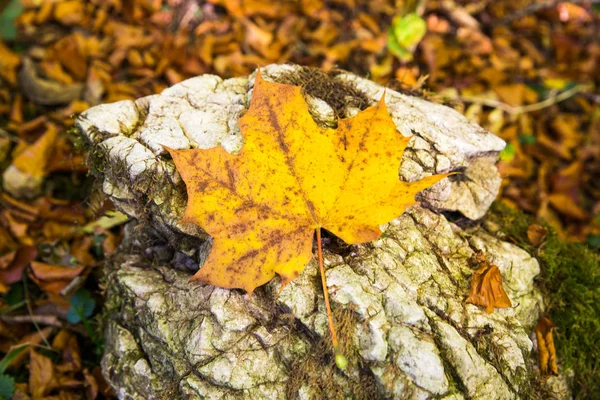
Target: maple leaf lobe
[[262, 205]]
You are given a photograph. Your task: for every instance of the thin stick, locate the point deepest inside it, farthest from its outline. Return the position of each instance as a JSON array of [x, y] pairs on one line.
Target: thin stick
[[325, 293], [30, 310], [530, 107], [535, 7]]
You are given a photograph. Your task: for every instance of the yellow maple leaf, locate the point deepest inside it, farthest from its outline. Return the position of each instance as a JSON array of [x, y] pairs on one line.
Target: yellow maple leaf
[[292, 177], [486, 287]]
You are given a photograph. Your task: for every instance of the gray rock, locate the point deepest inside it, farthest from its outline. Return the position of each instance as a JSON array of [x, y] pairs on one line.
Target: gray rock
[[406, 329], [399, 302]]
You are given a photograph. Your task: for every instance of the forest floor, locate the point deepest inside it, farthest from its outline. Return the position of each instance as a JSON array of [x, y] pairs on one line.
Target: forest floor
[[527, 71]]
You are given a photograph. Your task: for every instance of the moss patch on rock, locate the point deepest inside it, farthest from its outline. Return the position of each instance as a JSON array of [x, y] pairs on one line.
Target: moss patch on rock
[[318, 373], [570, 282]]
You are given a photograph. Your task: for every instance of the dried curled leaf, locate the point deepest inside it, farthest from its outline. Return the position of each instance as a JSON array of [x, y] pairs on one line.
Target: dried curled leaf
[[536, 234], [546, 350], [486, 287], [262, 206]]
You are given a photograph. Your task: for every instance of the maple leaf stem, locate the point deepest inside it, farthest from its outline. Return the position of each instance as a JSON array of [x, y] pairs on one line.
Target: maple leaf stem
[[325, 293]]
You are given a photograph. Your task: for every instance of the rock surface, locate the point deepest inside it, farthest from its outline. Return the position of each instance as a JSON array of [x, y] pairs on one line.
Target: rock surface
[[127, 140], [399, 301], [406, 329]]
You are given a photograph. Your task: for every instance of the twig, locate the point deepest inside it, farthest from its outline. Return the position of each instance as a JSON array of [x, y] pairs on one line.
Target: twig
[[48, 320], [535, 7], [550, 101], [8, 136]]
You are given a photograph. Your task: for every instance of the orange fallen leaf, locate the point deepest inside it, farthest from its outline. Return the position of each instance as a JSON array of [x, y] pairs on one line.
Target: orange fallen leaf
[[9, 65], [545, 343], [69, 12], [53, 278], [7, 243], [536, 234], [17, 226], [33, 339], [66, 342], [567, 206], [486, 287], [292, 177], [80, 249], [42, 378], [33, 159]]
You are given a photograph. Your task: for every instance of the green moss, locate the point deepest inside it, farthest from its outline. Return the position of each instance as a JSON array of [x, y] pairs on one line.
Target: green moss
[[319, 371], [570, 282]]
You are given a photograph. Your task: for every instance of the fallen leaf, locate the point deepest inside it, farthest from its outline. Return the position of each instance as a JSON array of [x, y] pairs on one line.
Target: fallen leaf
[[42, 378], [17, 227], [536, 234], [80, 249], [91, 385], [486, 287], [567, 206], [263, 205], [44, 91], [53, 278], [9, 62], [69, 12], [32, 161], [545, 344], [13, 264], [66, 342], [33, 339], [511, 94]]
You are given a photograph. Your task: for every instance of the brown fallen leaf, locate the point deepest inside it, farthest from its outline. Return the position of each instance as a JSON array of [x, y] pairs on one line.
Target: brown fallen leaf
[[12, 265], [567, 206], [486, 287], [91, 385], [53, 278], [536, 234], [42, 378], [43, 91], [546, 350]]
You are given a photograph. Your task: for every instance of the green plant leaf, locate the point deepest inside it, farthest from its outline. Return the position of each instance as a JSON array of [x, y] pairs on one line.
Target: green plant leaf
[[405, 33], [16, 294], [11, 355], [508, 153], [7, 387], [527, 139], [82, 306], [594, 241], [8, 30]]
